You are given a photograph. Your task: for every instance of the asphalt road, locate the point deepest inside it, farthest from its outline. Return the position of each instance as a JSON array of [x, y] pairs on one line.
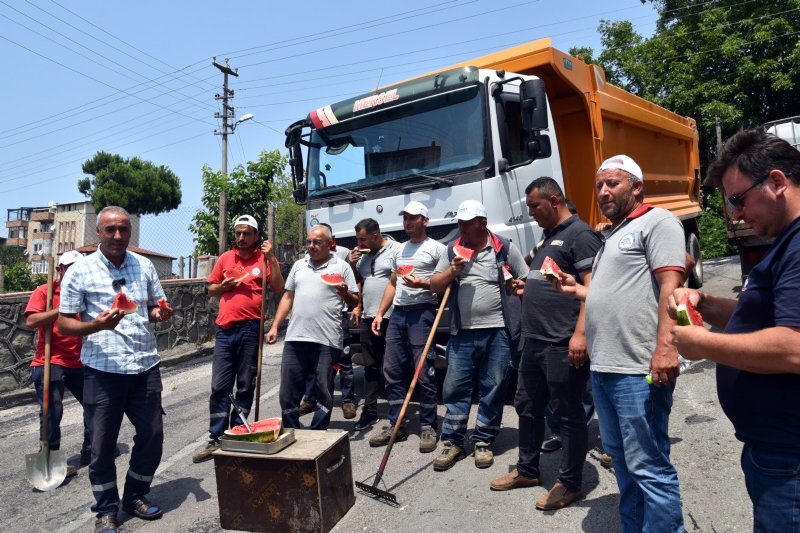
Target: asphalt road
[[704, 451]]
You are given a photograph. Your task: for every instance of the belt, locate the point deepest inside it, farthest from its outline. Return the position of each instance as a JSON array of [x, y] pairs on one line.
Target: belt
[[413, 307]]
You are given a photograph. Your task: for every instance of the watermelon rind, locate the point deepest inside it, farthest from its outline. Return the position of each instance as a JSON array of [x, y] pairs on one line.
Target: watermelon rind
[[463, 252], [684, 317], [404, 270], [364, 250], [271, 435]]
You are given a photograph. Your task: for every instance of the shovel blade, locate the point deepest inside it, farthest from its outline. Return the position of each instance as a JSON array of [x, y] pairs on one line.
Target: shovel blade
[[46, 469]]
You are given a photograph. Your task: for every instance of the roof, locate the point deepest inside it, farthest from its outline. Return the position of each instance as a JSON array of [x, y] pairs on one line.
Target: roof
[[89, 248]]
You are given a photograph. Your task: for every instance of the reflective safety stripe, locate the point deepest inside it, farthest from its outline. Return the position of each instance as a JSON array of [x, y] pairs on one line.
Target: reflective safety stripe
[[396, 402], [428, 405], [451, 416], [322, 408], [104, 487], [478, 423], [134, 475], [453, 426], [219, 415], [290, 411]]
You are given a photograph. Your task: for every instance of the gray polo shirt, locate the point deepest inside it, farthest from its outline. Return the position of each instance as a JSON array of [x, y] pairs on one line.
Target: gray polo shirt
[[622, 304], [423, 256], [376, 271], [317, 310], [479, 303]]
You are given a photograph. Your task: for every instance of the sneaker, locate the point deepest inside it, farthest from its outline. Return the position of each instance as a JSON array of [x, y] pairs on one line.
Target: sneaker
[[382, 438], [428, 440], [366, 421], [307, 407], [559, 497], [552, 444], [484, 458], [605, 460], [205, 453], [349, 409], [449, 456], [513, 480]]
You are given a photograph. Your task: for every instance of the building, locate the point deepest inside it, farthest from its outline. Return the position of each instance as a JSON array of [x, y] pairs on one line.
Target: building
[[53, 230], [162, 262]]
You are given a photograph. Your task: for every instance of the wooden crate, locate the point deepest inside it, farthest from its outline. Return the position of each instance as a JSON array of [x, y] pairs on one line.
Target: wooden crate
[[305, 487]]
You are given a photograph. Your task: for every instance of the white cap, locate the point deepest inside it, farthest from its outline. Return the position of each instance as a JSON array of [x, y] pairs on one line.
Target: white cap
[[246, 220], [415, 208], [623, 162], [470, 209], [67, 258]]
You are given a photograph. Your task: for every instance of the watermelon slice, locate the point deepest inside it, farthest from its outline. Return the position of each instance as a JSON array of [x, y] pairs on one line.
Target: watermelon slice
[[507, 276], [404, 270], [550, 268], [463, 252], [332, 278], [688, 315], [125, 305], [238, 273], [364, 250], [163, 303], [266, 430]]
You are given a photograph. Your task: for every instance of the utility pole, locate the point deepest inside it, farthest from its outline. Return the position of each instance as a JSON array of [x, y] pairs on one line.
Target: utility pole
[[227, 113]]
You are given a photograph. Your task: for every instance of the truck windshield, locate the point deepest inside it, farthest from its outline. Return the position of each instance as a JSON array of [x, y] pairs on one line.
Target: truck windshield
[[439, 135]]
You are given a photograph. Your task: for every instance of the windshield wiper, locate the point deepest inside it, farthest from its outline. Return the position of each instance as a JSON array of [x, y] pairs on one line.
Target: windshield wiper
[[353, 195], [412, 186]]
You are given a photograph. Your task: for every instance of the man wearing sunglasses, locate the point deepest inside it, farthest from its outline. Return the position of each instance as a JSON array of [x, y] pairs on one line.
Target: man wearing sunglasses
[[758, 367], [314, 338], [237, 280], [121, 364], [373, 262]]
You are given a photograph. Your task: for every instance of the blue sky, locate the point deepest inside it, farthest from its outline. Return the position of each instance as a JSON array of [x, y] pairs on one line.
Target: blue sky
[[136, 79]]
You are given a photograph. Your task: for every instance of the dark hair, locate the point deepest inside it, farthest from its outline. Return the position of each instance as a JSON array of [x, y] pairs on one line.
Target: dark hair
[[370, 225], [571, 206], [755, 153], [547, 186]]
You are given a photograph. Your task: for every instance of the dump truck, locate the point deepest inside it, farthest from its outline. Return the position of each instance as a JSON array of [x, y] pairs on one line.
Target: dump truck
[[752, 247], [483, 130]]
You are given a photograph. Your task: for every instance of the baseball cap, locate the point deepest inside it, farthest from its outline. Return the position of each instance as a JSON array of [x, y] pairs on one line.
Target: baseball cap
[[246, 220], [67, 258], [415, 208], [470, 209], [623, 162]]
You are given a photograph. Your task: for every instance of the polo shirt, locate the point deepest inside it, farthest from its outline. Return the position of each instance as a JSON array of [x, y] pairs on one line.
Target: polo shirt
[[423, 256], [376, 271], [65, 350], [622, 304], [548, 315], [317, 309], [243, 301], [88, 289]]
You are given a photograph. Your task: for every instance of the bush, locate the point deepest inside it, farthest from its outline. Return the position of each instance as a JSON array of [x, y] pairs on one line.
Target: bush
[[18, 277], [713, 230]]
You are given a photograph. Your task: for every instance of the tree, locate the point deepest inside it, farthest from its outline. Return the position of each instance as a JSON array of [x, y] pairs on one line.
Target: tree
[[249, 191], [17, 277], [136, 185]]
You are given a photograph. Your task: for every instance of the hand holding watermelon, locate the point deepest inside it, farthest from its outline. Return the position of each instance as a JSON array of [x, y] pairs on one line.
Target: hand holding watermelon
[[162, 312]]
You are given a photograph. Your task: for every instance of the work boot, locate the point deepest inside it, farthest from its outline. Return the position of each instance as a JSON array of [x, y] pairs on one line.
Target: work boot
[[382, 438], [428, 440], [366, 421], [307, 407], [451, 454], [559, 497], [513, 480], [205, 453], [71, 471], [349, 409], [484, 458], [605, 460]]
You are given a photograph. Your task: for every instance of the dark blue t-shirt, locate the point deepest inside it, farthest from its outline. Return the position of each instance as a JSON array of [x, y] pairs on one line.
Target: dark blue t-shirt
[[765, 408]]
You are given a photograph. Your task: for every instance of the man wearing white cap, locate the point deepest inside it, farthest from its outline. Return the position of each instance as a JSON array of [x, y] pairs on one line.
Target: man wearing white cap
[[409, 327], [628, 328], [237, 281], [484, 330], [66, 369]]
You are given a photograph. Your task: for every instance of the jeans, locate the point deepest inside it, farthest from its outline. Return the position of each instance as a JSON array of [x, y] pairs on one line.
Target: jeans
[[373, 348], [60, 377], [634, 426], [406, 336], [482, 355], [235, 359], [772, 477], [107, 397], [343, 365], [300, 359], [546, 377]]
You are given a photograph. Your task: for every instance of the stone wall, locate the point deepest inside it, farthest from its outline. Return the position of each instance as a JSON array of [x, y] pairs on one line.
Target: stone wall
[[192, 323]]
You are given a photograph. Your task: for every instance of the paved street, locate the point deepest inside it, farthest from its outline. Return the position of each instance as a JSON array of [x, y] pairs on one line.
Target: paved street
[[704, 450]]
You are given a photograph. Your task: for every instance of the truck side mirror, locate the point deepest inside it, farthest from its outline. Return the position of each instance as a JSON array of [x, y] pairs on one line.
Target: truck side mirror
[[296, 164], [533, 105]]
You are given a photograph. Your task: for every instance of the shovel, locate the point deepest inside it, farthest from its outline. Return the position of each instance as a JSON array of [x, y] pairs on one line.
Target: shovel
[[48, 468], [377, 478]]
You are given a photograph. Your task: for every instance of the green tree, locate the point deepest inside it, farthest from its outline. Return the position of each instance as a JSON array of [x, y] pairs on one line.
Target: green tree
[[18, 277], [713, 231], [136, 185], [249, 191]]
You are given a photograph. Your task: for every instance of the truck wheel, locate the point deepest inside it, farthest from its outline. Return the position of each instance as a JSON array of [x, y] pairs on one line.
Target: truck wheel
[[695, 279]]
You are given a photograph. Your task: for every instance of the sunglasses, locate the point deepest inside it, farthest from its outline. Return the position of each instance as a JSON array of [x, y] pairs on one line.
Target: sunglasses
[[736, 201], [117, 284]]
